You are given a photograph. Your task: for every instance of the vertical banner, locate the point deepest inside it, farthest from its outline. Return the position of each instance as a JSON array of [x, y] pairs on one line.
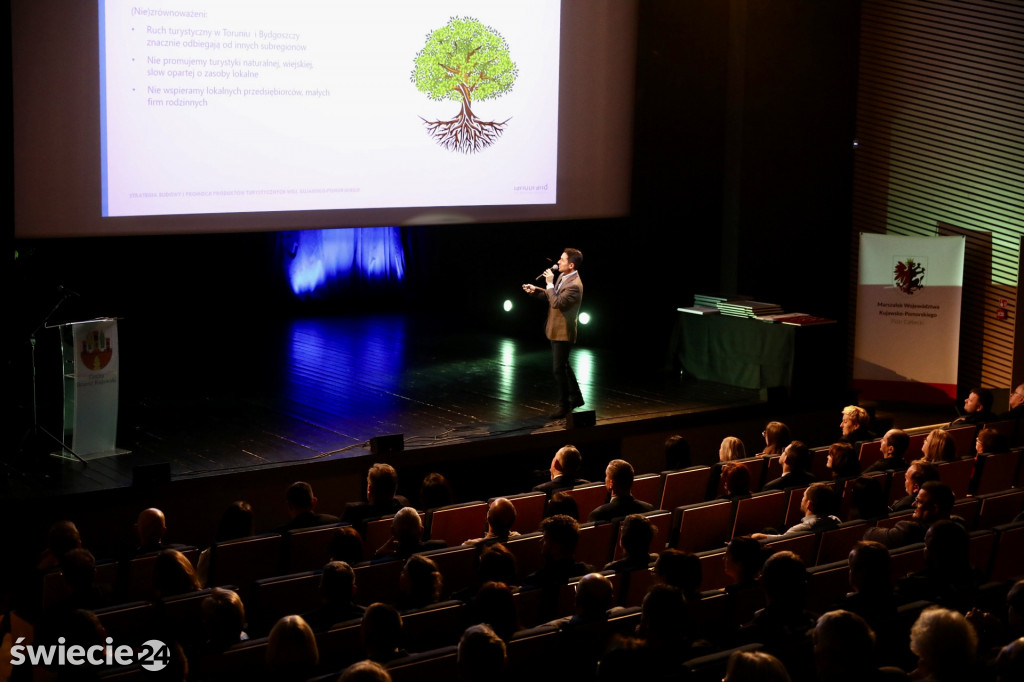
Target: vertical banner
[[908, 317], [94, 349]]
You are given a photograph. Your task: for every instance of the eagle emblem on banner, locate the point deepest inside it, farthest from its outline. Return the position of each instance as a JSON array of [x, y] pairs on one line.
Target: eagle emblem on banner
[[908, 276]]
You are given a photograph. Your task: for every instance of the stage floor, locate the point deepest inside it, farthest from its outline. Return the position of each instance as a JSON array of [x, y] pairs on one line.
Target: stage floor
[[309, 389]]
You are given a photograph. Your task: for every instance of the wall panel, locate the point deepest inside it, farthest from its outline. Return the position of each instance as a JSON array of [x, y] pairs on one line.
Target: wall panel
[[940, 126]]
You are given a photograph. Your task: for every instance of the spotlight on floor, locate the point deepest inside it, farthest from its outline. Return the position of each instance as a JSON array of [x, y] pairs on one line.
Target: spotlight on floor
[[507, 305], [584, 318]]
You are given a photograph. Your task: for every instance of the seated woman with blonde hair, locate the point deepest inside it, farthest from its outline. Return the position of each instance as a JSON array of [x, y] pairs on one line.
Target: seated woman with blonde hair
[[938, 446]]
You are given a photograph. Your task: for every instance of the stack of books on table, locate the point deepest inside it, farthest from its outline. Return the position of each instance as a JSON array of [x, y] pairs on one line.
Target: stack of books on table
[[749, 308], [712, 300], [707, 304]]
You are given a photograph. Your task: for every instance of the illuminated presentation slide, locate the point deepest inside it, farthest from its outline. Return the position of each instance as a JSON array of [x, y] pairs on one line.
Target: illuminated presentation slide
[[226, 106]]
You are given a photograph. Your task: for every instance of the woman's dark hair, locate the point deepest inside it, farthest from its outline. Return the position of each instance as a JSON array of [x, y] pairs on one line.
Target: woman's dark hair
[[236, 522]]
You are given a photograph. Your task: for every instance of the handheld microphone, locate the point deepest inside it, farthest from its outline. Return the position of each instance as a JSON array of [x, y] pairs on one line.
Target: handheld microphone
[[541, 275]]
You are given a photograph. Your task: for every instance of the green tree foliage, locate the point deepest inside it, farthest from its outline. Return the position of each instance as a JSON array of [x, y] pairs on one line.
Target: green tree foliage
[[464, 61]]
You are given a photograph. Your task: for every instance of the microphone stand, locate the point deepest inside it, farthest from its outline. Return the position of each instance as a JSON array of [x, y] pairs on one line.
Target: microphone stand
[[36, 429]]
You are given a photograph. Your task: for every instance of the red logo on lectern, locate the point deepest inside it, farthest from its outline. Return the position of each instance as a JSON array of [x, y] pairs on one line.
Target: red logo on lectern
[[96, 350]]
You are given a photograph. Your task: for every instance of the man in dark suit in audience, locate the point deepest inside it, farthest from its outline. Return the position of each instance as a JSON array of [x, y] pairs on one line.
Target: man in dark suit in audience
[[1016, 410], [558, 546], [565, 469], [302, 508], [796, 468], [150, 527], [917, 474], [894, 446], [501, 516], [977, 408], [337, 588], [618, 479], [381, 498], [934, 502]]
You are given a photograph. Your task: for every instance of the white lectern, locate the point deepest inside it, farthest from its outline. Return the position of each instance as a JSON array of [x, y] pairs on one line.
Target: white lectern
[[90, 356]]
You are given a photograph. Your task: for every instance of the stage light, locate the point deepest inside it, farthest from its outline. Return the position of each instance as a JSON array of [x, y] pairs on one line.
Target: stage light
[[507, 305], [584, 318]]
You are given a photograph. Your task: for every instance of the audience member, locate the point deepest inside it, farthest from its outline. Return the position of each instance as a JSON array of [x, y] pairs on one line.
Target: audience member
[[893, 446], [677, 453], [381, 633], [977, 408], [934, 502], [173, 574], [420, 583], [501, 516], [855, 425], [776, 438], [593, 599], [636, 534], [76, 629], [743, 560], [150, 528], [495, 605], [681, 570], [564, 470], [755, 666], [796, 468], [618, 479], [735, 481], [346, 545], [62, 537], [78, 568], [236, 522], [481, 655], [844, 650], [945, 645], [818, 504], [626, 658], [562, 502], [666, 629], [783, 624], [435, 492], [873, 600], [842, 461], [365, 671], [731, 449], [947, 578], [302, 508], [407, 537], [381, 498], [917, 474], [991, 442], [292, 654], [938, 446], [223, 620], [1010, 662], [561, 535], [497, 564], [337, 590], [867, 500], [1016, 404]]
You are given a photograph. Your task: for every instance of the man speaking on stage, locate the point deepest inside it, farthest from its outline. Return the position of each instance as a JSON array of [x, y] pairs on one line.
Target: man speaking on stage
[[564, 296]]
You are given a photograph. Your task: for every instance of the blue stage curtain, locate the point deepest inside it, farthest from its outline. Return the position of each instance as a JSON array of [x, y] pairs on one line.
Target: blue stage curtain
[[322, 262]]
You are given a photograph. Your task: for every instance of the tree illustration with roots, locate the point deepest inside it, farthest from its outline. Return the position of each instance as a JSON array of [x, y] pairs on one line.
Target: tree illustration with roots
[[467, 62]]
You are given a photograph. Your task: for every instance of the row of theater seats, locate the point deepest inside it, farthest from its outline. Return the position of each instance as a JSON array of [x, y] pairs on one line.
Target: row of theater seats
[[693, 525], [431, 633]]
